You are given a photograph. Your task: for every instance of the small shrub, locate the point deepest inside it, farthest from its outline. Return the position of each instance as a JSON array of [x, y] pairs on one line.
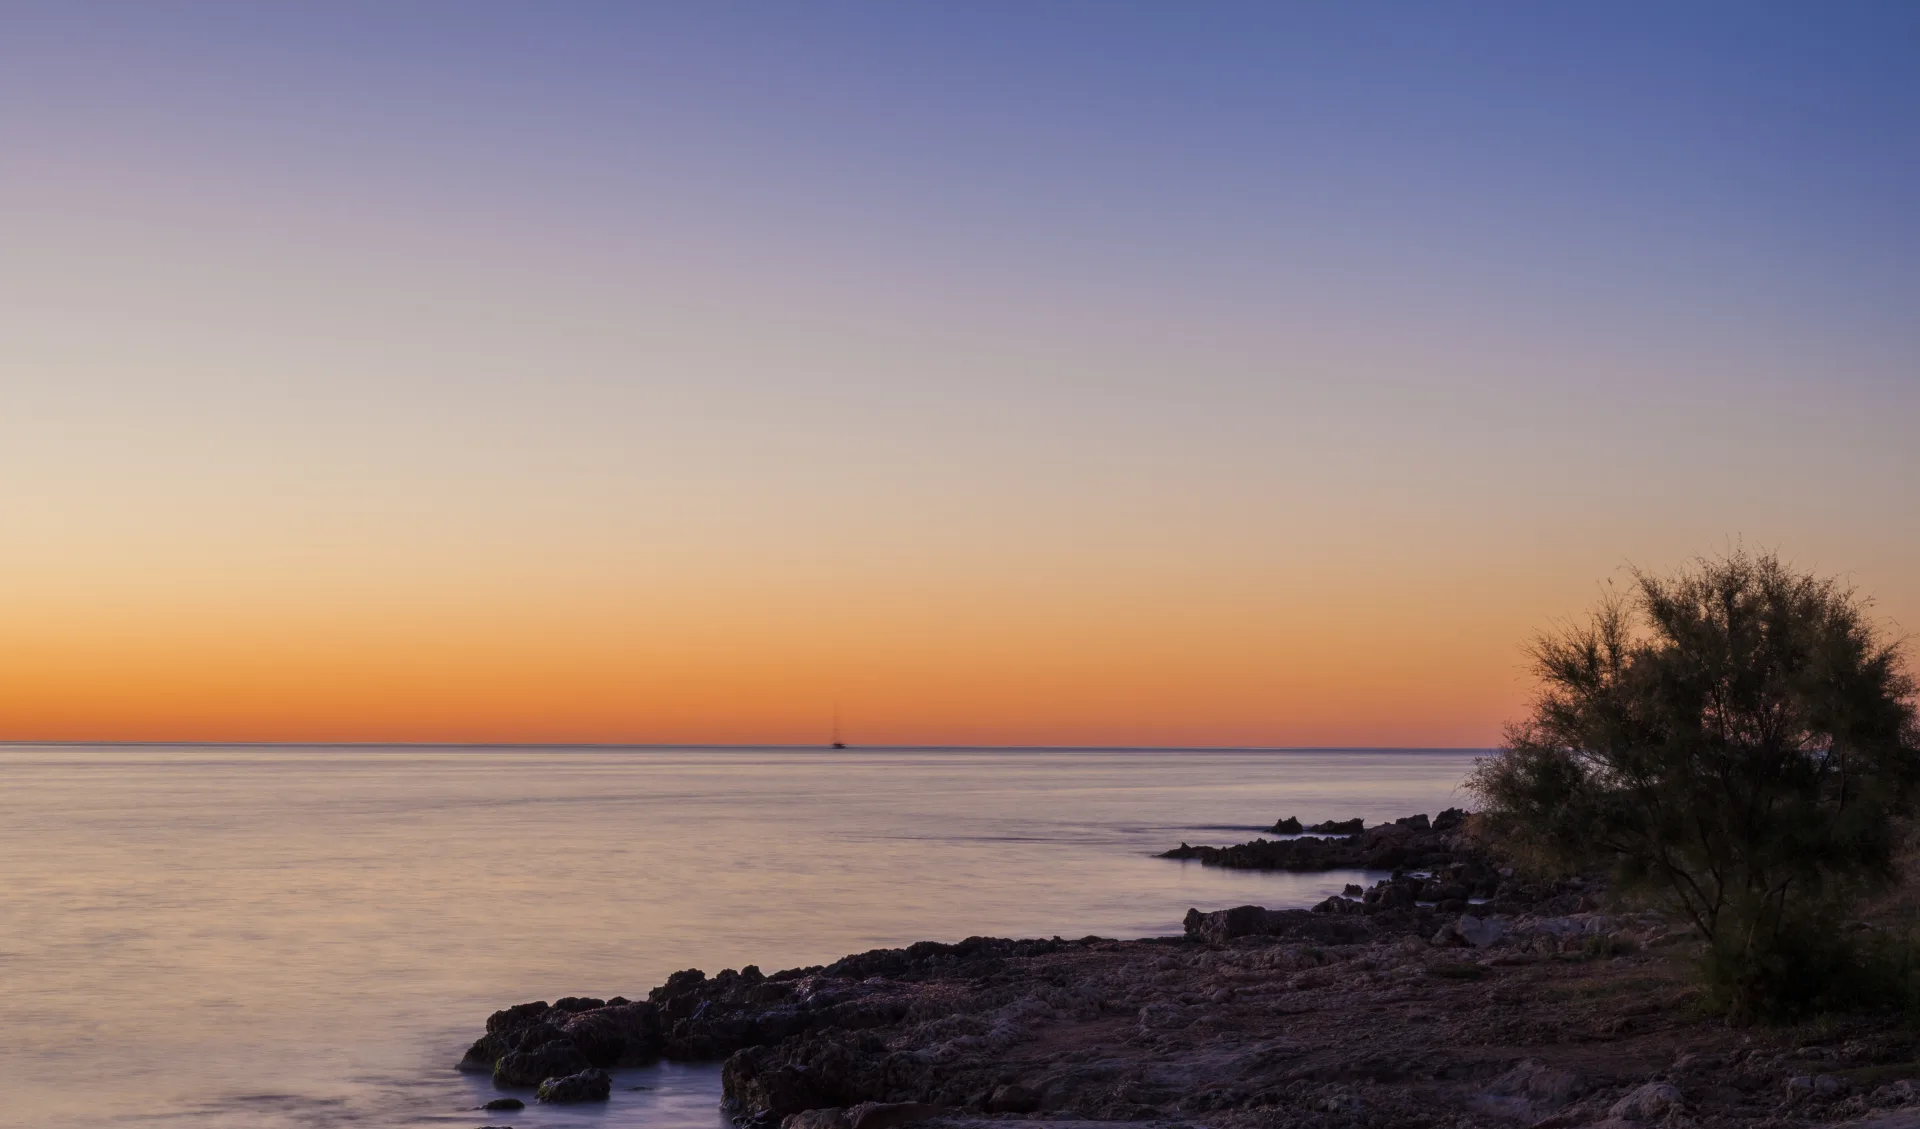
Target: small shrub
[[1736, 741]]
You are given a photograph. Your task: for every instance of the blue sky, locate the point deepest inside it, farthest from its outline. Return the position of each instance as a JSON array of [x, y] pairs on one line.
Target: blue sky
[[1198, 319]]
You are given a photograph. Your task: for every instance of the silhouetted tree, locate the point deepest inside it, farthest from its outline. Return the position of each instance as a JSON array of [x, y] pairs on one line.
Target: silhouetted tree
[[1737, 739]]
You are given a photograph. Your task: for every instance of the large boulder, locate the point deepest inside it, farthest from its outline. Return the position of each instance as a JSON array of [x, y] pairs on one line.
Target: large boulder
[[591, 1085]]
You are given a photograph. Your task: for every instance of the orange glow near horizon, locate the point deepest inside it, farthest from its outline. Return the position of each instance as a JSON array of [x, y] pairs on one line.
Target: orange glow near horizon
[[944, 637], [1220, 664]]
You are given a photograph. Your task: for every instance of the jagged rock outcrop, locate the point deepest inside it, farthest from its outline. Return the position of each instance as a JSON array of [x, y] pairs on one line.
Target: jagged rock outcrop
[[1257, 1017], [529, 1043], [1411, 843]]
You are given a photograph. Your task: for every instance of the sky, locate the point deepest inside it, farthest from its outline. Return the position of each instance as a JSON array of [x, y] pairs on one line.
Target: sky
[[1001, 373]]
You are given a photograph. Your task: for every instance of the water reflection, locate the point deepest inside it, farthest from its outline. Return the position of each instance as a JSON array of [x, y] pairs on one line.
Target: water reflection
[[272, 938]]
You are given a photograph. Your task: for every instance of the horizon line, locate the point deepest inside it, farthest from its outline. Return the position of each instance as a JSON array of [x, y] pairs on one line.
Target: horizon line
[[851, 747]]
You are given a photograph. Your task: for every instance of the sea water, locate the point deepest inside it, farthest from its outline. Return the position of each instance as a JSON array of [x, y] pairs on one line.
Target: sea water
[[276, 937]]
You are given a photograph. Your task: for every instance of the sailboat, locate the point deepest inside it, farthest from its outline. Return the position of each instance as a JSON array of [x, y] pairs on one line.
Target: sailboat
[[837, 742]]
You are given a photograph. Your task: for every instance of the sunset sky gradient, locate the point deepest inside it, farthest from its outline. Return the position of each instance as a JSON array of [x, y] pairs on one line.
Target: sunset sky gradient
[[1065, 373]]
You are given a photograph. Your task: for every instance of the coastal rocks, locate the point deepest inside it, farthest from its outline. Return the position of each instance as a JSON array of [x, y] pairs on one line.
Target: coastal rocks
[[1339, 827], [1254, 1019], [1226, 924], [1255, 921], [1412, 843], [529, 1043], [591, 1085], [816, 1071], [499, 1104], [627, 1034], [535, 1064]]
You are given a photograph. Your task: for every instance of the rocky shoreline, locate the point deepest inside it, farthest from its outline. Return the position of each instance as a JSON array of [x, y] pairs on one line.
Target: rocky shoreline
[[1388, 1008]]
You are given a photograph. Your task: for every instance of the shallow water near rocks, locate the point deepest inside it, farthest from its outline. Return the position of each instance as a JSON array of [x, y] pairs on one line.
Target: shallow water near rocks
[[279, 937]]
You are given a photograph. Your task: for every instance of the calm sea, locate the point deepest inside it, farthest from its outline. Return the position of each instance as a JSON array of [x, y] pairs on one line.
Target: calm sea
[[259, 938]]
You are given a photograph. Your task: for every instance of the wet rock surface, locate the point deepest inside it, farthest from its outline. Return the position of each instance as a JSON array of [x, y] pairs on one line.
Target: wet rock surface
[[590, 1085]]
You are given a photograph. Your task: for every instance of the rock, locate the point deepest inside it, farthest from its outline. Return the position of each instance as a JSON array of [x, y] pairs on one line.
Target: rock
[[1407, 844], [1449, 819], [1694, 1061], [505, 1103], [1902, 1092], [828, 1118], [618, 1035], [577, 1003], [768, 1083], [1339, 827], [1798, 1087], [1226, 924], [1337, 904], [1287, 826], [590, 1085], [1889, 1119], [1539, 1083], [1352, 890], [1480, 932], [1827, 1086], [480, 1057], [890, 1115], [1648, 1103], [1163, 1017], [515, 1017], [531, 1066], [1013, 1098]]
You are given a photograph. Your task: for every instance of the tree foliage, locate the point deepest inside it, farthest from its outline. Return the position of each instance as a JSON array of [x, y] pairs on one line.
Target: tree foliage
[[1736, 739]]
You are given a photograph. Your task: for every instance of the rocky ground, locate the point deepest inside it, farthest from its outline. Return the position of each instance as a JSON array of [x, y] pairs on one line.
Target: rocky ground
[[1538, 1009]]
